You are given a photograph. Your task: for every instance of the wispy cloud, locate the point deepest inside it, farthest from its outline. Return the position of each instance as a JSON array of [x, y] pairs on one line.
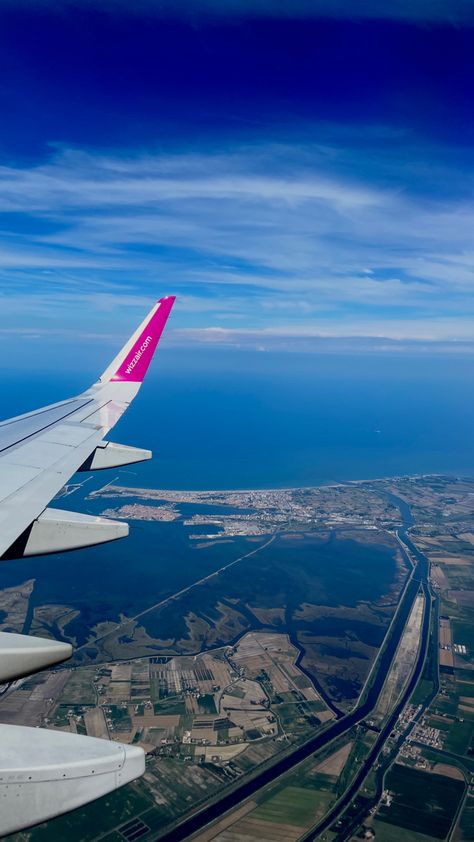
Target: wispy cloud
[[261, 241]]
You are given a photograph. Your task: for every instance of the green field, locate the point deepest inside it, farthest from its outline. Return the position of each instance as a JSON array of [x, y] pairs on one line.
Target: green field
[[460, 737], [422, 691], [298, 717], [453, 700], [422, 802], [80, 689], [171, 705], [465, 828], [120, 717], [463, 628], [457, 735], [386, 832], [207, 704], [60, 717], [293, 805], [363, 743]]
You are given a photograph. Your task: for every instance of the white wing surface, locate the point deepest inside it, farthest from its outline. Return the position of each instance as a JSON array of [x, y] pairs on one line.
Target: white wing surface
[[45, 773], [40, 451]]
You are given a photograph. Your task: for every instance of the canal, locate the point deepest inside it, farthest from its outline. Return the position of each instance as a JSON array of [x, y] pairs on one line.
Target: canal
[[248, 788]]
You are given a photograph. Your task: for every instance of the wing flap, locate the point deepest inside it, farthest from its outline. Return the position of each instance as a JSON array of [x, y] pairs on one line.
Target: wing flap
[[71, 434], [36, 454]]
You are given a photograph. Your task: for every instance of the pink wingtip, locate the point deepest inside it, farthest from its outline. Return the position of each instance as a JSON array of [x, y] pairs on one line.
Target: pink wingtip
[[136, 362]]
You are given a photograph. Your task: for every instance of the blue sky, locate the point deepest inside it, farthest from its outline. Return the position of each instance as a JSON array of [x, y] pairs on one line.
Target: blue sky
[[300, 179]]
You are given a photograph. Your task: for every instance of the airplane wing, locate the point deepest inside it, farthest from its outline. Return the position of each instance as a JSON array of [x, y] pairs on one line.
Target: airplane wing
[[45, 773]]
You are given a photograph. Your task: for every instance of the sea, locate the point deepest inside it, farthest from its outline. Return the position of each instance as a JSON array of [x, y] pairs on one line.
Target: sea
[[218, 419], [242, 419]]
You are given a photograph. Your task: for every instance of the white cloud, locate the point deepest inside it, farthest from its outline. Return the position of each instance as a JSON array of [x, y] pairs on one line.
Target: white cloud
[[274, 239]]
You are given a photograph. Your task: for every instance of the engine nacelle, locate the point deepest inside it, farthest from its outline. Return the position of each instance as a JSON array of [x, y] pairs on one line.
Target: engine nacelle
[[45, 773], [22, 655]]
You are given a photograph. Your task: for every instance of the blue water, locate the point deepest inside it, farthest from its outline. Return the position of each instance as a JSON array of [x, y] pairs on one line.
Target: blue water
[[236, 419], [242, 419]]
